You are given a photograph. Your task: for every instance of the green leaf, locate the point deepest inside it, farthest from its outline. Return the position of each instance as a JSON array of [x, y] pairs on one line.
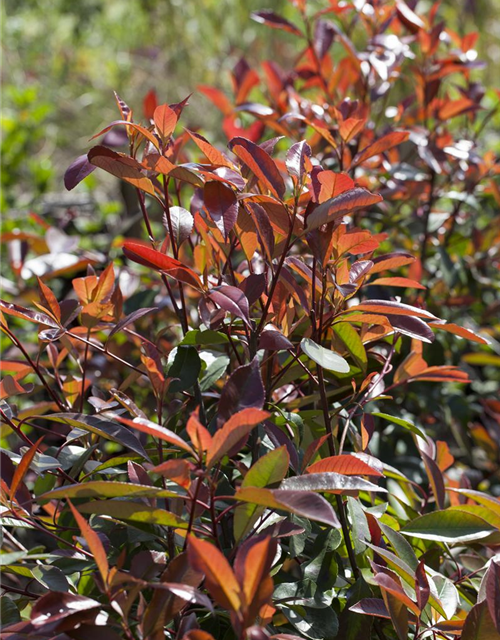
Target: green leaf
[[106, 489], [133, 512], [317, 624], [213, 372], [400, 422], [350, 337], [449, 525], [204, 338], [267, 470], [9, 613], [186, 368], [324, 357]]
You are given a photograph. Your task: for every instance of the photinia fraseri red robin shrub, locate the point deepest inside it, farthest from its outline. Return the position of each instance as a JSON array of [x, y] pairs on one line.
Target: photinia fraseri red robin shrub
[[214, 463]]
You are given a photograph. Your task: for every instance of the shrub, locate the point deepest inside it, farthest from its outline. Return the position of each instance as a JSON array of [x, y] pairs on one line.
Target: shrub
[[202, 447]]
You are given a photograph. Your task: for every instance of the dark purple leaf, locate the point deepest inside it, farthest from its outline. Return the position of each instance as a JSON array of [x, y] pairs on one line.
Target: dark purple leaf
[[307, 504], [222, 205], [492, 589], [422, 587], [264, 228], [55, 606], [275, 21], [296, 158], [413, 327], [132, 317], [231, 176], [232, 300], [77, 171], [243, 389], [253, 287], [371, 607], [273, 340], [268, 145], [324, 33], [359, 268], [279, 439]]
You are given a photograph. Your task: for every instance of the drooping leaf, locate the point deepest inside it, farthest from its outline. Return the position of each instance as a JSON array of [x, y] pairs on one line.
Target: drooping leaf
[[77, 171]]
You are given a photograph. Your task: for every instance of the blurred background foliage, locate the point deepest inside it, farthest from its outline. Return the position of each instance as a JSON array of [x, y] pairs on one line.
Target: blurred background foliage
[[62, 59]]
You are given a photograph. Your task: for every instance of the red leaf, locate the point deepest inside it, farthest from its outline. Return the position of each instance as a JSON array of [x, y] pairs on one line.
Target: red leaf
[[394, 308], [492, 590], [149, 257], [459, 331], [344, 464], [149, 104]]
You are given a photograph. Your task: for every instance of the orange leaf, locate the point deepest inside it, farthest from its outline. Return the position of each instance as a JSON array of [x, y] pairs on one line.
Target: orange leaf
[[380, 146], [260, 163], [333, 184], [212, 154], [350, 128], [176, 470], [219, 577], [136, 127], [94, 543], [453, 108], [459, 331], [234, 431], [399, 282], [199, 435], [49, 300], [121, 166], [347, 465], [22, 468], [165, 120], [156, 431]]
